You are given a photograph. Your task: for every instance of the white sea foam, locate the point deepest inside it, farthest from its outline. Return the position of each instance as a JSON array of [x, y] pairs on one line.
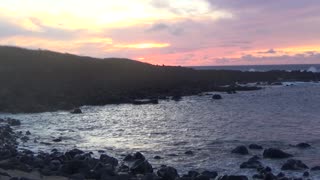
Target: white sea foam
[[312, 69]]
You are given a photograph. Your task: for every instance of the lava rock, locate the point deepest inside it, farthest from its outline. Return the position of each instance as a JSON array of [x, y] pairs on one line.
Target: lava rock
[[306, 174], [189, 153], [168, 173], [240, 150], [273, 153], [315, 168], [57, 140], [252, 163], [209, 174], [157, 157], [108, 160], [233, 177], [216, 96], [76, 111], [13, 122], [138, 164], [293, 164], [303, 145], [255, 146]]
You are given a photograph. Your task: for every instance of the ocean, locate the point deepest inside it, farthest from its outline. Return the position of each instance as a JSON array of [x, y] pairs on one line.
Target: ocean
[[253, 68], [276, 116]]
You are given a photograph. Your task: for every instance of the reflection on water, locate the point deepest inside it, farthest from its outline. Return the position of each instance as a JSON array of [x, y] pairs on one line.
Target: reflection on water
[[274, 117]]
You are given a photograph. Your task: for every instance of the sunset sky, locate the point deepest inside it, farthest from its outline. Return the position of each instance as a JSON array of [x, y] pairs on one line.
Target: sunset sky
[[171, 32]]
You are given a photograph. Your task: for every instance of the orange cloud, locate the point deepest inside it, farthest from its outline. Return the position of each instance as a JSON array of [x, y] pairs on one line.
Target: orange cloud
[[143, 45]]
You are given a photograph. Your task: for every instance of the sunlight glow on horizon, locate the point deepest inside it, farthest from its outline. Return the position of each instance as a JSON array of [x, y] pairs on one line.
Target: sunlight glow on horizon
[[172, 32]]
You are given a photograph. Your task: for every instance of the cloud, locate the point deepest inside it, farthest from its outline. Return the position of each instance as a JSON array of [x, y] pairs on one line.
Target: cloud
[[270, 51]]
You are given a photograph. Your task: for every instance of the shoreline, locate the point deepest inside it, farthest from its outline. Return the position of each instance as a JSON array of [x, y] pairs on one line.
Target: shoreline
[[77, 164]]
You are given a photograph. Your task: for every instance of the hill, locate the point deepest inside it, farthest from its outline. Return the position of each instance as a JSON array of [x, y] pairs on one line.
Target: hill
[[41, 80]]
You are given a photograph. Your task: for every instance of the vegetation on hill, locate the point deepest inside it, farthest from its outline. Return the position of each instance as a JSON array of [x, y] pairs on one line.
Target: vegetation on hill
[[41, 80]]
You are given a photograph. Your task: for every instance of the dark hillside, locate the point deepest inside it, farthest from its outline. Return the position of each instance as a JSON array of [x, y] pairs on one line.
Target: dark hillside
[[40, 80]]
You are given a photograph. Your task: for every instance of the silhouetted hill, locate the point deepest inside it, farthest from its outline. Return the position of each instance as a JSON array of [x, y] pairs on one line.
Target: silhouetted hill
[[41, 80]]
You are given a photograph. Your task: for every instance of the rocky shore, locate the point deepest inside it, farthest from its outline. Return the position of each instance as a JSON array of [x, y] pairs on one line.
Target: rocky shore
[[77, 164]]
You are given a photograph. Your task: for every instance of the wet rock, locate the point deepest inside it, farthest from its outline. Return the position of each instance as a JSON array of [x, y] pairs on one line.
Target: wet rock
[[209, 174], [73, 167], [233, 177], [189, 153], [193, 174], [252, 163], [176, 97], [101, 151], [13, 122], [306, 174], [240, 150], [25, 138], [138, 164], [216, 96], [281, 174], [157, 157], [168, 173], [108, 160], [12, 164], [76, 111], [255, 146], [257, 176], [293, 164], [57, 140], [273, 153], [315, 168], [72, 153], [303, 145], [28, 133], [150, 101]]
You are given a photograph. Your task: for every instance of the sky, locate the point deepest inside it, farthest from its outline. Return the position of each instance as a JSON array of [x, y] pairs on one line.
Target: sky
[[170, 32]]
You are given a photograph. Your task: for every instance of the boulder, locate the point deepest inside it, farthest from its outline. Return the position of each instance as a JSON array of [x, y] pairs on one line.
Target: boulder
[[209, 174], [189, 153], [240, 150], [76, 111], [233, 177], [293, 164], [108, 160], [216, 96], [251, 164], [273, 153], [303, 145], [13, 122], [138, 164], [315, 168], [168, 173]]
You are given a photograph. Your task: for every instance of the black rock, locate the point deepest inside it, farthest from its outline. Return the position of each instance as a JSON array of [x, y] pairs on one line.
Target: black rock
[[28, 133], [303, 145], [293, 164], [315, 168], [108, 160], [193, 174], [233, 177], [57, 140], [76, 111], [275, 154], [176, 97], [251, 164], [216, 96], [257, 176], [140, 167], [13, 122], [306, 174], [255, 146], [209, 174], [157, 157], [281, 174], [189, 153], [240, 150], [168, 173]]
